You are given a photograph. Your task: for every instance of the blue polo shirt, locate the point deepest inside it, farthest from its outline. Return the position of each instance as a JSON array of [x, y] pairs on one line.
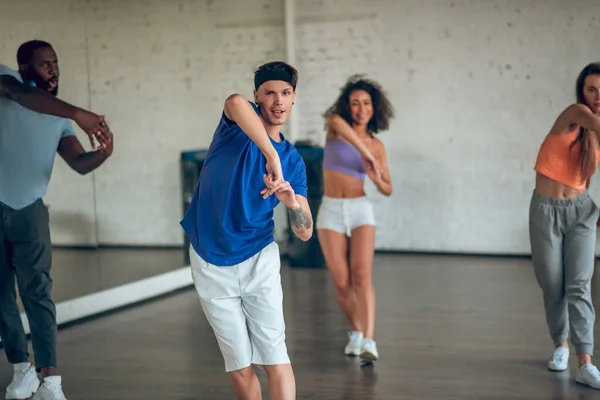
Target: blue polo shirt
[[228, 220], [28, 145]]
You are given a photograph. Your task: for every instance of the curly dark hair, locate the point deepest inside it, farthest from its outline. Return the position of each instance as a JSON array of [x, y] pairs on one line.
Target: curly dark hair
[[383, 111]]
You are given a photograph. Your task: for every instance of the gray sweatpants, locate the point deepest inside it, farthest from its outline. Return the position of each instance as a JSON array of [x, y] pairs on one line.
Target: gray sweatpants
[[26, 254], [563, 239]]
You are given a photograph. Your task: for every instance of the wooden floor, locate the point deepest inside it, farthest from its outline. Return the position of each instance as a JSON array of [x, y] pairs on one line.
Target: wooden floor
[[447, 328]]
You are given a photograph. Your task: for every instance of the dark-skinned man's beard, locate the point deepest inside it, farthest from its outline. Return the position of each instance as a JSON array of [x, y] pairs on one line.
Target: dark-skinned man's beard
[[43, 83]]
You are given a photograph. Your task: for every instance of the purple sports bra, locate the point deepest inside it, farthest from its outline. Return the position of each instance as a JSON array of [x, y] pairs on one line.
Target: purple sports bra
[[341, 156]]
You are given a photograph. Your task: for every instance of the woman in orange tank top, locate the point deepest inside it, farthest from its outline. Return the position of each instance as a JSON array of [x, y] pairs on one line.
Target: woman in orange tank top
[[562, 227]]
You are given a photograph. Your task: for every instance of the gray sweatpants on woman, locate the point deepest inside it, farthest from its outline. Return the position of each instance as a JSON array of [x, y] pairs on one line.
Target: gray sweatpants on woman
[[563, 239]]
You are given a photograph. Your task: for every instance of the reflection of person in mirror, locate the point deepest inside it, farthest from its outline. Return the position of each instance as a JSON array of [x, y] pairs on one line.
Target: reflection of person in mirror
[[346, 222], [249, 169], [34, 126], [562, 227]]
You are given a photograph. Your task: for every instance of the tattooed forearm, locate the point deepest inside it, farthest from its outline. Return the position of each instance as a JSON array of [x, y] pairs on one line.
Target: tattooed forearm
[[299, 219]]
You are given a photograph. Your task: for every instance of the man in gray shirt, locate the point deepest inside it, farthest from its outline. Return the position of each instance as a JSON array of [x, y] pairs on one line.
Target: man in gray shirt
[[34, 126]]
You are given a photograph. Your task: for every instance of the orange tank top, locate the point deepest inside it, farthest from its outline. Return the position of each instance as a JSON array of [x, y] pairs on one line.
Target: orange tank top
[[559, 162]]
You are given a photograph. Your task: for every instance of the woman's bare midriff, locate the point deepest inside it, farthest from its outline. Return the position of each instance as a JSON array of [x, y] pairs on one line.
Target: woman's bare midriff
[[550, 188], [342, 186]]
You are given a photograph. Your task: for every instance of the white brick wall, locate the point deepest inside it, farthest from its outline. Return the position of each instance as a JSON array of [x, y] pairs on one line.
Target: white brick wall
[[170, 71], [475, 85]]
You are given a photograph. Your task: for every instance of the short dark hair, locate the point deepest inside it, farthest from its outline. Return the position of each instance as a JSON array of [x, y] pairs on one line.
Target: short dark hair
[[383, 111], [279, 66], [26, 50]]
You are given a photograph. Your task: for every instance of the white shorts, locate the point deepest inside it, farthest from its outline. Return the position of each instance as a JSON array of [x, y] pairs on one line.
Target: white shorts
[[244, 305], [344, 215]]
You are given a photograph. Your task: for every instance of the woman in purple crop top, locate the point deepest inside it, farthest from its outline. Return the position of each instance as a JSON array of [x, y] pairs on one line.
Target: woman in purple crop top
[[345, 220]]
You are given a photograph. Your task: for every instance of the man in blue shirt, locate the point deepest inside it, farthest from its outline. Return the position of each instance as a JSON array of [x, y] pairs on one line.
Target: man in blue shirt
[[250, 167], [33, 128]]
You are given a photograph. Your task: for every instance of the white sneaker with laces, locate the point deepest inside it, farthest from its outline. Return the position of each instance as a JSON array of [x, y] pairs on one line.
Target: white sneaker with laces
[[354, 345], [589, 375], [559, 360], [50, 389], [368, 351], [24, 383]]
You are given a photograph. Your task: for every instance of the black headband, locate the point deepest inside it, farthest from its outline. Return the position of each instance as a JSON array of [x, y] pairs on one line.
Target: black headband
[[279, 75]]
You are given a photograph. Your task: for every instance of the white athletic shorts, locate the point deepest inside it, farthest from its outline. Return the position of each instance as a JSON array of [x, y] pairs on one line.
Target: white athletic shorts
[[244, 305], [344, 215]]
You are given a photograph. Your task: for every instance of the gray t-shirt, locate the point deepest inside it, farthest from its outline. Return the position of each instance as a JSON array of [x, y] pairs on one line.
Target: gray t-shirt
[[28, 145]]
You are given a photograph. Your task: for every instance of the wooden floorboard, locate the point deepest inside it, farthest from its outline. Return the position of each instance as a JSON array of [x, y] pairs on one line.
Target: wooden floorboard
[[447, 328]]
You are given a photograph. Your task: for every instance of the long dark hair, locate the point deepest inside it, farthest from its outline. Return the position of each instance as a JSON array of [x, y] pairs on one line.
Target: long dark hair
[[383, 111], [587, 140]]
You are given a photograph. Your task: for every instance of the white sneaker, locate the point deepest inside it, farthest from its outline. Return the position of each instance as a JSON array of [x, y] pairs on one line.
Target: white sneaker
[[354, 345], [50, 389], [589, 375], [559, 360], [368, 351], [24, 383]]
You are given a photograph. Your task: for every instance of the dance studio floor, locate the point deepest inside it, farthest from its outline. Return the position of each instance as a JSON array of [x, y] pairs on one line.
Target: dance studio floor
[[447, 328]]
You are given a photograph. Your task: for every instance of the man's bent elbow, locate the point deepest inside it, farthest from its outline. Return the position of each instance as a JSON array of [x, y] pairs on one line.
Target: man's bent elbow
[[81, 171], [234, 99], [10, 88], [6, 93]]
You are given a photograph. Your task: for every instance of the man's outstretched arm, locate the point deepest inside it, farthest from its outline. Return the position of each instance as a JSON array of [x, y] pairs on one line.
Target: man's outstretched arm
[[35, 99], [43, 102], [82, 162]]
